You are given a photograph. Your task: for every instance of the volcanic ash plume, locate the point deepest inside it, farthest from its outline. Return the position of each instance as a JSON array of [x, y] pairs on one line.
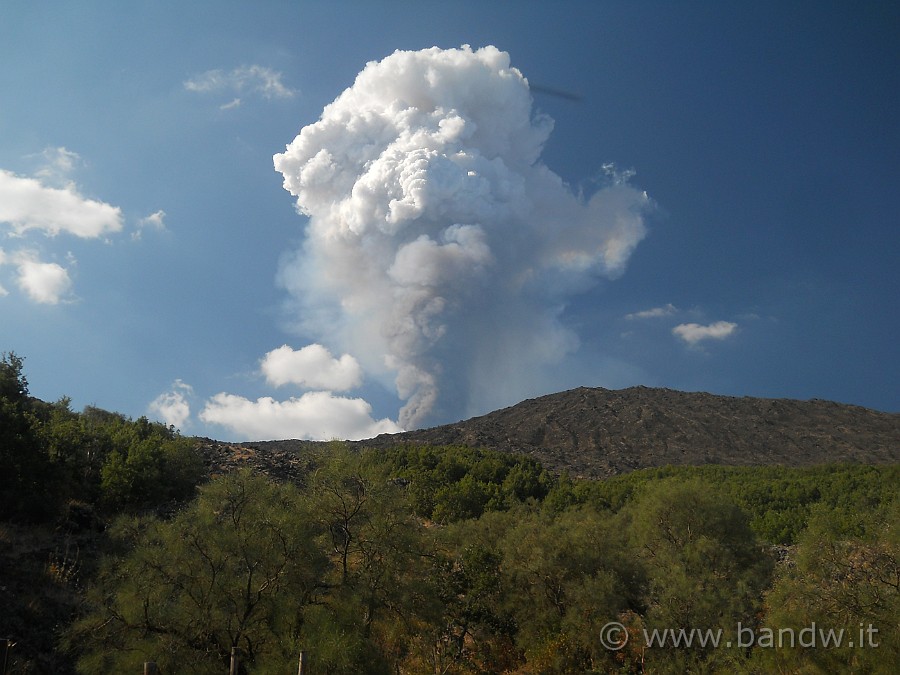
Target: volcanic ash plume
[[439, 248]]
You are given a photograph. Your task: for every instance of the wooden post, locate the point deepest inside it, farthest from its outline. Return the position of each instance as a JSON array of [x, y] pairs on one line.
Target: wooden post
[[235, 661], [149, 668], [301, 669]]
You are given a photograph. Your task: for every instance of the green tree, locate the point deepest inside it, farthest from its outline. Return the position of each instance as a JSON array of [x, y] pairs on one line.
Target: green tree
[[470, 630], [566, 576], [376, 550], [705, 569], [844, 576], [149, 465], [65, 440], [27, 472], [465, 498], [238, 568]]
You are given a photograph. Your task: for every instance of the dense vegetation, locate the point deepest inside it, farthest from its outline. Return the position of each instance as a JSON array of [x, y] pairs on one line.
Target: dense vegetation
[[438, 560], [778, 500], [57, 458]]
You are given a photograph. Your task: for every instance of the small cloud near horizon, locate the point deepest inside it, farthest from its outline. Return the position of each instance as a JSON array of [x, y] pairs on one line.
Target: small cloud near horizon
[[693, 333], [316, 415], [172, 407]]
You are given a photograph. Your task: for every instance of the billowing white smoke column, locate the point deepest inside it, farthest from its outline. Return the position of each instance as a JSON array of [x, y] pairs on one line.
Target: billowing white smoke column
[[439, 248]]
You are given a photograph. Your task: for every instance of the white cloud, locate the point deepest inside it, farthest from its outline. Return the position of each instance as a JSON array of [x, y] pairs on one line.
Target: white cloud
[[44, 283], [57, 166], [313, 367], [49, 203], [28, 204], [656, 312], [246, 79], [440, 250], [692, 333], [155, 221], [315, 415], [172, 407]]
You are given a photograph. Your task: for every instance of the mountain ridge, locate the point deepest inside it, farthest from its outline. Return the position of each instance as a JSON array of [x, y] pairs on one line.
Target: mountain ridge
[[597, 432]]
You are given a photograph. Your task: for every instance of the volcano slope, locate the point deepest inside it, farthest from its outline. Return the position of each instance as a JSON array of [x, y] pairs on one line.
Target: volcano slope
[[595, 432]]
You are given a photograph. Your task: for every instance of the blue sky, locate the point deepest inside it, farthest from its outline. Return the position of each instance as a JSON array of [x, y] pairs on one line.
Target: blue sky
[[713, 209]]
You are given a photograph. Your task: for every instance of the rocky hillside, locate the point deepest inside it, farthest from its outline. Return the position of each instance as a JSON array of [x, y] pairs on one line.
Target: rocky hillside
[[599, 432], [280, 460]]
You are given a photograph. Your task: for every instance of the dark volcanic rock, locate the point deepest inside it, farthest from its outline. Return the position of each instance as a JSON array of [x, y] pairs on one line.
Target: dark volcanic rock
[[600, 432], [282, 460]]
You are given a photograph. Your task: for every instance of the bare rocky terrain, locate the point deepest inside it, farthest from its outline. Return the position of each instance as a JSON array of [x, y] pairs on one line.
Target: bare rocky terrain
[[594, 432], [281, 460]]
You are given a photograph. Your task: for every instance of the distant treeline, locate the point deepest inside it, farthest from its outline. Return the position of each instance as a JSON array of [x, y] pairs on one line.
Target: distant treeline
[[456, 482], [445, 559]]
